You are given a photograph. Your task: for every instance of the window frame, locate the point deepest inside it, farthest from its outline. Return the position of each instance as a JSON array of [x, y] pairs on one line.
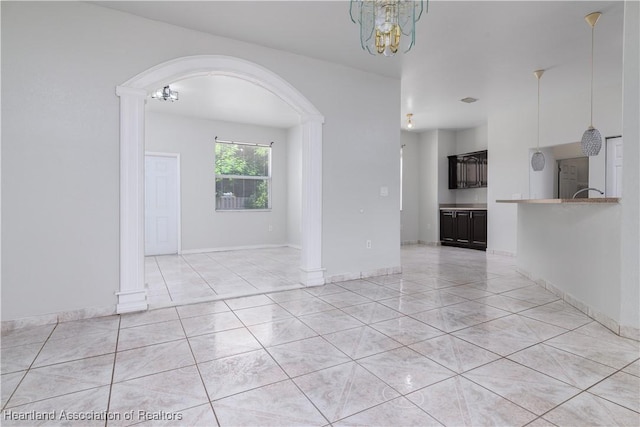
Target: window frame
[[267, 178]]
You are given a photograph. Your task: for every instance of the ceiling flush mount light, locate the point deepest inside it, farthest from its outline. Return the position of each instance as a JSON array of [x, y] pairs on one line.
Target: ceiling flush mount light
[[165, 94], [409, 122], [468, 100], [591, 139], [537, 160], [386, 25]]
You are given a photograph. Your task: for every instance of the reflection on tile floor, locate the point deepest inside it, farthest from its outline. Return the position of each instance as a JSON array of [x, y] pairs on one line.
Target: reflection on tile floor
[[459, 338], [174, 279]]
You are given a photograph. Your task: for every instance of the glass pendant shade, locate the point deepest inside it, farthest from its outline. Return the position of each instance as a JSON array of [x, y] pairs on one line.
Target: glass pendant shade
[[591, 142], [386, 26], [537, 161]]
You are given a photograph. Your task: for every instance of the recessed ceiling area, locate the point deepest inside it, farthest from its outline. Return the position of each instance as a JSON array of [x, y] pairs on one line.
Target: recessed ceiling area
[[227, 99], [481, 49]]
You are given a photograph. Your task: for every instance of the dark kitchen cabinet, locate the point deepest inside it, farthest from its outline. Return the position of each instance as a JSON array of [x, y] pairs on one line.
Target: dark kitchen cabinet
[[478, 229], [468, 170], [464, 228], [447, 226]]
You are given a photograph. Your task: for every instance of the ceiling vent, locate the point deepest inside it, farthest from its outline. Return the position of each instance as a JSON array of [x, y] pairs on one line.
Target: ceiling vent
[[469, 100]]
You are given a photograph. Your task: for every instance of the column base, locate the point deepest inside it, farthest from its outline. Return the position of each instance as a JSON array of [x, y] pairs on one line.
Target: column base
[[132, 301], [313, 277]]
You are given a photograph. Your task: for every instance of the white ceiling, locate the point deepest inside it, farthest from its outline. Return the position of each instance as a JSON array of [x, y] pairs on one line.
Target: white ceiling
[[227, 99], [486, 50]]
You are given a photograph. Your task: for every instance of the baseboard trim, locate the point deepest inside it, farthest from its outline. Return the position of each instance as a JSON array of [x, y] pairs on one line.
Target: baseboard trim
[[387, 271], [606, 321], [425, 243], [232, 248], [501, 253], [60, 317]]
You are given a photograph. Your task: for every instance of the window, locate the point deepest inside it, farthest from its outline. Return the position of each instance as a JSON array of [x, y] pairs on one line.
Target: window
[[243, 176]]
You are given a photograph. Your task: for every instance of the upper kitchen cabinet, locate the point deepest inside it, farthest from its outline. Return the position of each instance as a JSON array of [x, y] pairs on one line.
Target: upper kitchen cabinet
[[468, 170]]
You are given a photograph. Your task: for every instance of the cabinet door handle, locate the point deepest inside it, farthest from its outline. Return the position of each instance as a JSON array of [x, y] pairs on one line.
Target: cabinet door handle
[[471, 214]]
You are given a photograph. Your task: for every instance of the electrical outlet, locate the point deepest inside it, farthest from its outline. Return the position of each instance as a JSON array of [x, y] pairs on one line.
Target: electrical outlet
[[270, 227], [368, 244]]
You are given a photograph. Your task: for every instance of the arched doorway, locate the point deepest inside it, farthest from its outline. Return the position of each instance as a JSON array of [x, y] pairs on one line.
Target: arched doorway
[[133, 94]]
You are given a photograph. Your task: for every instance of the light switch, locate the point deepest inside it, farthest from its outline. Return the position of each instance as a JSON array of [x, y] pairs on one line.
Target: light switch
[[384, 191]]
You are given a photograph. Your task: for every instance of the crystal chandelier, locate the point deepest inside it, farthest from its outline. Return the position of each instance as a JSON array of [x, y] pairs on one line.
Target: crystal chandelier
[[165, 94], [383, 23]]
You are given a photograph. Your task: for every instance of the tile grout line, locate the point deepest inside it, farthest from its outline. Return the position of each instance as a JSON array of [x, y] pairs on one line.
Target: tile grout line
[[163, 278], [282, 369], [113, 370], [204, 386], [28, 369], [199, 274], [369, 324]]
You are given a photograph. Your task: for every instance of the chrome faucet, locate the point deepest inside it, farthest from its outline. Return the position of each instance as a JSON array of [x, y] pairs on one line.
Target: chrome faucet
[[586, 189]]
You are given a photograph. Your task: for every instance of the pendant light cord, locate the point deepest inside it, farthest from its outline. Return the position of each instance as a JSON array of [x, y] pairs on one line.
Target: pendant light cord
[[538, 145], [593, 29]]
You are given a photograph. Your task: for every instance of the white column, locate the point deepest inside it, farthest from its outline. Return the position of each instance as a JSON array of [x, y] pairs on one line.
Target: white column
[[630, 225], [132, 295], [312, 273]]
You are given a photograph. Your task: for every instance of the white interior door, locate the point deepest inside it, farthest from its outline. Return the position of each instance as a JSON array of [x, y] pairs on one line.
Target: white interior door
[[161, 204], [568, 178], [614, 167]]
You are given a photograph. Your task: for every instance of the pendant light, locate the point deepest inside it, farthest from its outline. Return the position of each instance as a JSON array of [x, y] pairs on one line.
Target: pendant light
[[409, 121], [537, 160], [591, 139]]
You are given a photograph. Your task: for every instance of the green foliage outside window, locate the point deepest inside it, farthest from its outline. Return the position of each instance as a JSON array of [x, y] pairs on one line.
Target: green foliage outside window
[[235, 168]]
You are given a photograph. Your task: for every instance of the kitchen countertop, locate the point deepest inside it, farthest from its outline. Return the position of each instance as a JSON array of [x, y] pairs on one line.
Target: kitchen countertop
[[594, 201], [464, 207]]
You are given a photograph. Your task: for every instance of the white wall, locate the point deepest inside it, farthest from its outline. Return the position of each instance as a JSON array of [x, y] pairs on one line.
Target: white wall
[[446, 147], [590, 252], [512, 133], [294, 186], [630, 222], [429, 171], [576, 248], [61, 63], [202, 227], [412, 186]]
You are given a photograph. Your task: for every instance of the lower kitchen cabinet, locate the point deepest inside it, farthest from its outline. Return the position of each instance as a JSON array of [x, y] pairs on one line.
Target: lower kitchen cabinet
[[464, 228]]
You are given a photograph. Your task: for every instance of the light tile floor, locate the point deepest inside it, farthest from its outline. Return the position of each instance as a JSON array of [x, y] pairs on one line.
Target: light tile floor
[[184, 278], [457, 339]]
